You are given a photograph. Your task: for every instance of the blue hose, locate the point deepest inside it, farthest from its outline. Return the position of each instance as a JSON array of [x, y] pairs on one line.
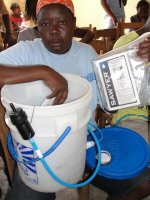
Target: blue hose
[[48, 169], [51, 173], [128, 116], [54, 146]]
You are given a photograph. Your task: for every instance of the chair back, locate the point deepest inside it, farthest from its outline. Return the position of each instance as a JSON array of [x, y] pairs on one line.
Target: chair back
[[90, 28], [104, 39], [128, 25]]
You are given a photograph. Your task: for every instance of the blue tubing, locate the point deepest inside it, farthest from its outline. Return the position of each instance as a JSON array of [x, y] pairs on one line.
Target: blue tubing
[[51, 173], [55, 145], [128, 116], [48, 169], [92, 124]]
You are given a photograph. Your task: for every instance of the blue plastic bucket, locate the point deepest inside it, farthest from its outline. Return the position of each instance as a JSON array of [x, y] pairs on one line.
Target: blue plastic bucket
[[130, 153]]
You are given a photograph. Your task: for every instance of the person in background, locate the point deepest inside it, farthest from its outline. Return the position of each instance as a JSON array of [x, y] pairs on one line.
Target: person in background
[[9, 39], [114, 12], [125, 39], [142, 12], [135, 122], [32, 33], [16, 17], [26, 23]]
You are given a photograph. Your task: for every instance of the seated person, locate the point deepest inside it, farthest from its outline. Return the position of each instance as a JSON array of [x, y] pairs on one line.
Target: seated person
[[43, 59], [16, 18], [8, 38], [142, 12]]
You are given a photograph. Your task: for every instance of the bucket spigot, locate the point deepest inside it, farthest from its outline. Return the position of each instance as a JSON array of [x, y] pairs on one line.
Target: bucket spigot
[[20, 120]]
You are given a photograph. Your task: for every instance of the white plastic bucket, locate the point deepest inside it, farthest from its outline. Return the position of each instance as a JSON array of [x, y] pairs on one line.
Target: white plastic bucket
[[49, 122]]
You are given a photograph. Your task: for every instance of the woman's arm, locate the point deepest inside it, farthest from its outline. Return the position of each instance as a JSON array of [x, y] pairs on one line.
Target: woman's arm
[[108, 10], [21, 74]]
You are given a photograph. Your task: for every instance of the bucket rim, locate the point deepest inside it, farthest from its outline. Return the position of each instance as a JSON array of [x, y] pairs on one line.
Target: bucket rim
[[88, 95]]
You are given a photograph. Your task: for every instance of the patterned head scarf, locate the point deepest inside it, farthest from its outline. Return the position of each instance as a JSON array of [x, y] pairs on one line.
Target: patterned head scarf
[[42, 3]]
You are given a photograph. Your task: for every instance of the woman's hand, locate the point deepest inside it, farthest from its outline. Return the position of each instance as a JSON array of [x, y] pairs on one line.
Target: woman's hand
[[114, 20], [58, 85], [144, 50]]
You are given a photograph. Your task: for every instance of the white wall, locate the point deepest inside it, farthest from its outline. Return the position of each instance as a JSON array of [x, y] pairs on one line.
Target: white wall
[[91, 12]]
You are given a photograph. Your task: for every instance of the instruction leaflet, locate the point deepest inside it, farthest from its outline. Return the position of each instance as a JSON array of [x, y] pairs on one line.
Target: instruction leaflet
[[115, 79]]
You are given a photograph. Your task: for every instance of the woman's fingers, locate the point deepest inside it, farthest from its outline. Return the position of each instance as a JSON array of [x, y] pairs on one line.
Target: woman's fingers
[[59, 96]]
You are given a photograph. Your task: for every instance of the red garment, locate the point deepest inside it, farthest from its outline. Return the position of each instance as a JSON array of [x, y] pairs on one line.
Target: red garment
[[16, 22], [42, 3]]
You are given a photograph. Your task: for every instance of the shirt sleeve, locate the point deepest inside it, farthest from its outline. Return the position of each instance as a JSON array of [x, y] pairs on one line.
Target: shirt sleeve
[[22, 36], [26, 34]]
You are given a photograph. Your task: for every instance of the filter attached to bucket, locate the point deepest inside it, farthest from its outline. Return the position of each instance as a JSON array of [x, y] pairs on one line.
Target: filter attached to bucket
[[49, 122]]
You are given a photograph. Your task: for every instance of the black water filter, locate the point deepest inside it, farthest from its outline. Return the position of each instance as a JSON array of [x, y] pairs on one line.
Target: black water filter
[[20, 120]]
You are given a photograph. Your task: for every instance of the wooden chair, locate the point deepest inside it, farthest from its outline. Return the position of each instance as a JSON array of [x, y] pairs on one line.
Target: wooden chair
[[99, 46], [104, 39], [3, 138], [84, 34], [122, 26], [83, 193], [88, 27]]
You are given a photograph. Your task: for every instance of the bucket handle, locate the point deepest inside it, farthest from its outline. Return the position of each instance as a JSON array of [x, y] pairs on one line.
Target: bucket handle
[[60, 181]]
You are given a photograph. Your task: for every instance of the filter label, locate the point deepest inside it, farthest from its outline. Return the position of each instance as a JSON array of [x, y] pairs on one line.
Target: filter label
[[115, 77]]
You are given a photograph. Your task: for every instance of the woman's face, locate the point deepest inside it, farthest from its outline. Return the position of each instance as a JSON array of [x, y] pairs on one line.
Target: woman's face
[[56, 26]]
